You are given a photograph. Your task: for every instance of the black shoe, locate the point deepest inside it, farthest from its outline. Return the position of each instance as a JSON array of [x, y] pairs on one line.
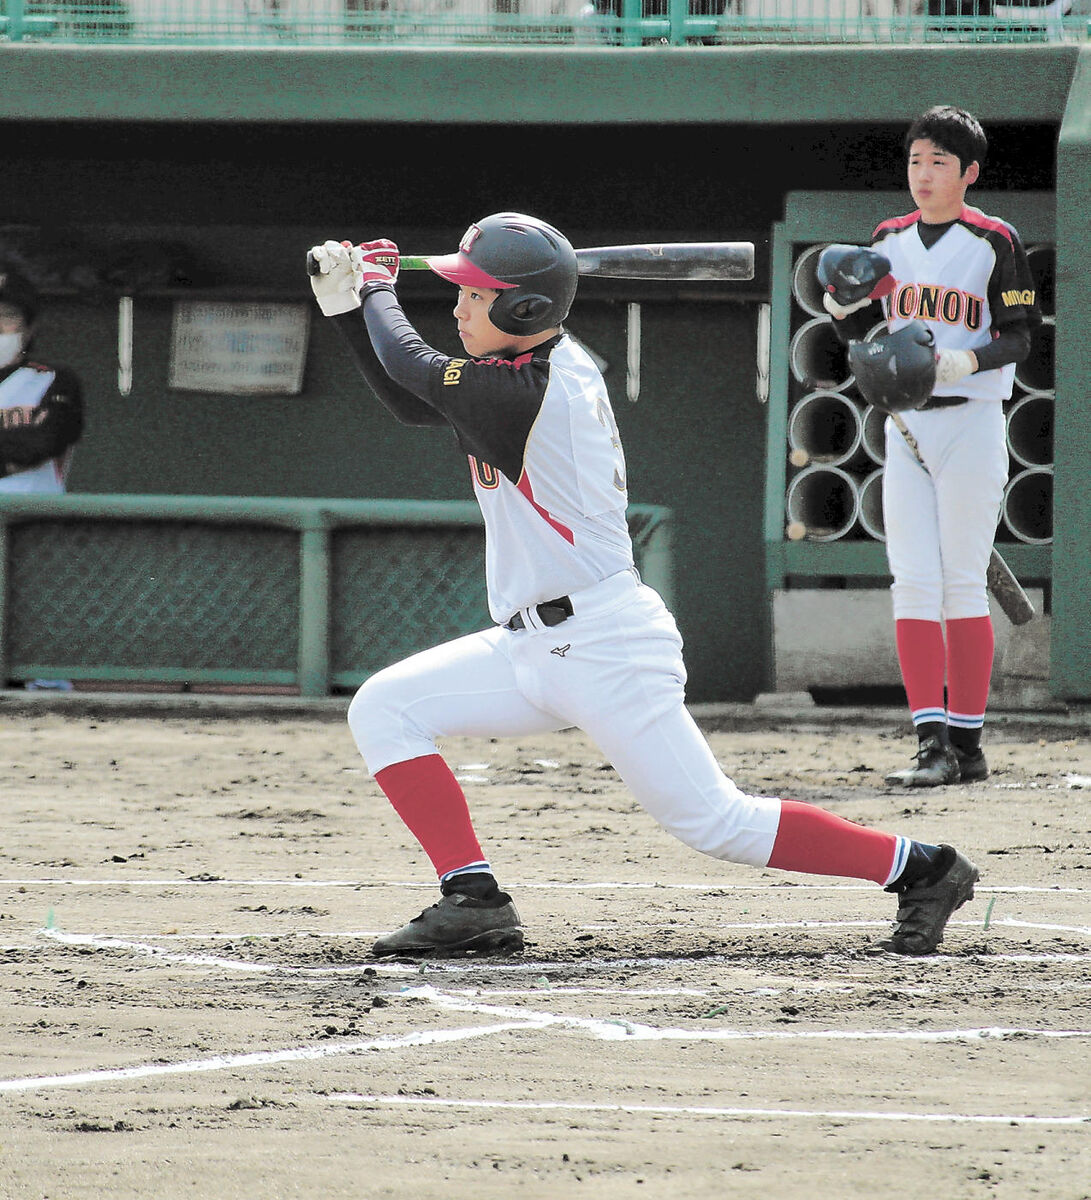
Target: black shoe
[[936, 764], [972, 767], [925, 907], [458, 924]]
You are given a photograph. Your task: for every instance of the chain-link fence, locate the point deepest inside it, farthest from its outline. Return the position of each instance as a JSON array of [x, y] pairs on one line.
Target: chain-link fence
[[306, 594], [592, 22]]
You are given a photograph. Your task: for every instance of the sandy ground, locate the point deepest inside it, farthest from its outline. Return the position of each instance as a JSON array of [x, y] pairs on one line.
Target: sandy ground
[[188, 899]]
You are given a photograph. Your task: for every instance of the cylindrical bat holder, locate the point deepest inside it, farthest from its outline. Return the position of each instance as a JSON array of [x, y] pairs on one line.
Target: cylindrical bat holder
[[1030, 430], [1028, 505], [1035, 372], [825, 500], [871, 506], [873, 439], [817, 357], [828, 426], [1042, 261], [806, 289]]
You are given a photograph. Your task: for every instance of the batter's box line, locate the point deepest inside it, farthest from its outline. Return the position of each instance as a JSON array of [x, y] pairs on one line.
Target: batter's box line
[[687, 1110], [520, 1021], [248, 966], [578, 886]]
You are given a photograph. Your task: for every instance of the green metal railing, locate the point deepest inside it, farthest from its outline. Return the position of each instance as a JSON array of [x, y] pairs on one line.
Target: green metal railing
[[590, 22], [308, 594]]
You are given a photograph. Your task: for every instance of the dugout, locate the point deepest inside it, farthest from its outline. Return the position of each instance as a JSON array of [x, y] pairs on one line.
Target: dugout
[[241, 158]]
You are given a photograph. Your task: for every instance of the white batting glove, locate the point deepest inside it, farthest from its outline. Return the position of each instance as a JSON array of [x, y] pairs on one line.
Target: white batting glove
[[841, 311], [953, 365], [335, 274]]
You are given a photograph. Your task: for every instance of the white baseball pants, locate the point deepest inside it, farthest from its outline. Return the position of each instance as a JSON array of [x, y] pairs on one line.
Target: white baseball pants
[[614, 670]]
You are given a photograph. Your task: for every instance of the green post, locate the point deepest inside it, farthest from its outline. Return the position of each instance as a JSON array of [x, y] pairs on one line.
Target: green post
[[1070, 633], [16, 15], [314, 607], [631, 13]]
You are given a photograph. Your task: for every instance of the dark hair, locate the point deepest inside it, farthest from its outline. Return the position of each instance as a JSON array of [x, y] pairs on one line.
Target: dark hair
[[954, 130]]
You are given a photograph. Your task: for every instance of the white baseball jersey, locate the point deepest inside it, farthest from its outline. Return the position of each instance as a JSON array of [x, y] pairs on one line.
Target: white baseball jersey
[[974, 280], [560, 527], [40, 419]]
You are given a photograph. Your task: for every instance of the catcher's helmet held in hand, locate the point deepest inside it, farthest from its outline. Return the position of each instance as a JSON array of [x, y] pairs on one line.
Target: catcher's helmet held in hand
[[851, 273], [531, 264], [896, 371]]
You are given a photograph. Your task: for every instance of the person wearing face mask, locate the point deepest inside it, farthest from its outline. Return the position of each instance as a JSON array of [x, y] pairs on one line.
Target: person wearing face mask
[[41, 407]]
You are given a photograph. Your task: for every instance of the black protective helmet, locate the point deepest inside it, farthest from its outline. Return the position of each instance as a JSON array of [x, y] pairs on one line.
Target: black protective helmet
[[16, 289], [896, 371], [531, 264]]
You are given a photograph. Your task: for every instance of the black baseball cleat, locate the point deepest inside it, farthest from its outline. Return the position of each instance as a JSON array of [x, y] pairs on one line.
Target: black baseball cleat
[[458, 924], [925, 906], [972, 767], [936, 764]]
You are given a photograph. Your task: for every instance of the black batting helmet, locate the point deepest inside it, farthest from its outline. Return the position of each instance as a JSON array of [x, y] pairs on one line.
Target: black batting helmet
[[851, 273], [17, 290], [896, 371], [531, 264]]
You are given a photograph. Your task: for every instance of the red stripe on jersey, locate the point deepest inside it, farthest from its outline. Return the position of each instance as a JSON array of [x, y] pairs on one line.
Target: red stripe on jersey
[[894, 224], [524, 486], [975, 217]]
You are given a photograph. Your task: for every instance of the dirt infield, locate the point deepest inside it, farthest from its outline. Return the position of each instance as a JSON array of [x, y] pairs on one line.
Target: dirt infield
[[189, 897]]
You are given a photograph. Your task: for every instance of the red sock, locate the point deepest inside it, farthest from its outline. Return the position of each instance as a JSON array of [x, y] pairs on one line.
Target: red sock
[[921, 658], [428, 798], [969, 666], [813, 840]]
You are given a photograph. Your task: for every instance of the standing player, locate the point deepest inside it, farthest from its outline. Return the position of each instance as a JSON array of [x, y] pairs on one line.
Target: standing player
[[41, 407], [578, 639], [966, 276]]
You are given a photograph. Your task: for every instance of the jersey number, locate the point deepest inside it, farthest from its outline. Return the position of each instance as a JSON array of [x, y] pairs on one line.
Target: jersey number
[[606, 415]]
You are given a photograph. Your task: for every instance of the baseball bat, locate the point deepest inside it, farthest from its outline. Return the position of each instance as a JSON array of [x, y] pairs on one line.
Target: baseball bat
[[999, 577], [681, 261]]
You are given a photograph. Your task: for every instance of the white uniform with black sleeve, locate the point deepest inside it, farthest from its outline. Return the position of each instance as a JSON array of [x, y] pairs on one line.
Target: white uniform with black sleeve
[[967, 284], [549, 474]]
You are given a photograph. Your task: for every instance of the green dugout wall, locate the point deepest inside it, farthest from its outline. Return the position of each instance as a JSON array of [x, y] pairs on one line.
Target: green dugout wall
[[246, 157]]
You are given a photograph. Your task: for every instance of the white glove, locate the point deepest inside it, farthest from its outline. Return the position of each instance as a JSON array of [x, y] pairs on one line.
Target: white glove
[[953, 365], [841, 311], [336, 282]]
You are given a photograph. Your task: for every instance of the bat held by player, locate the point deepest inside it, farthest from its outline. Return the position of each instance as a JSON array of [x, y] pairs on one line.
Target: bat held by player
[[999, 577], [679, 261]]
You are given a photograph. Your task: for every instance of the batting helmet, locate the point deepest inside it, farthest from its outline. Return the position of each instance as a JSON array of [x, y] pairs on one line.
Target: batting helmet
[[851, 273], [896, 371], [531, 264], [17, 290]]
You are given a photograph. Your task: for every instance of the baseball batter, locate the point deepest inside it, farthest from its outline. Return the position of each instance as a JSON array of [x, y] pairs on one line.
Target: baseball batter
[[578, 639], [965, 276], [41, 407]]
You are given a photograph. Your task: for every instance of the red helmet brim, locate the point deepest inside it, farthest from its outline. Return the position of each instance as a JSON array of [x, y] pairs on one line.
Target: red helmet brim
[[457, 268]]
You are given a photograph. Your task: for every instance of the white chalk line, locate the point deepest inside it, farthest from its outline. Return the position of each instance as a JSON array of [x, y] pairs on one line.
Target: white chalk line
[[604, 1029], [255, 935], [689, 1110], [611, 1029], [103, 942], [257, 1058], [584, 886]]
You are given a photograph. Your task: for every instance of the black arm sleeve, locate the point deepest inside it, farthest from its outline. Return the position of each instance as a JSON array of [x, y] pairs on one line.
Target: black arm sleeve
[[1011, 345], [491, 403], [404, 404], [31, 436]]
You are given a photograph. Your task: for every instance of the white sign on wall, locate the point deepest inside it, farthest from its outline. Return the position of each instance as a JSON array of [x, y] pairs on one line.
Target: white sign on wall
[[239, 349]]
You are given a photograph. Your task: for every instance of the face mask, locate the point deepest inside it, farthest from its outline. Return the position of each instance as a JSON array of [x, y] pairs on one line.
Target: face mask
[[11, 346]]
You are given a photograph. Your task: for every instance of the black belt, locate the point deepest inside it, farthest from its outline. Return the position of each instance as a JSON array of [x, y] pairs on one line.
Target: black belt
[[943, 402], [550, 612]]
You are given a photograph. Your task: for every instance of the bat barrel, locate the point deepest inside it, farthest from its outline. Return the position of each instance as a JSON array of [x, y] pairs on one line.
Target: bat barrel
[[669, 260]]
